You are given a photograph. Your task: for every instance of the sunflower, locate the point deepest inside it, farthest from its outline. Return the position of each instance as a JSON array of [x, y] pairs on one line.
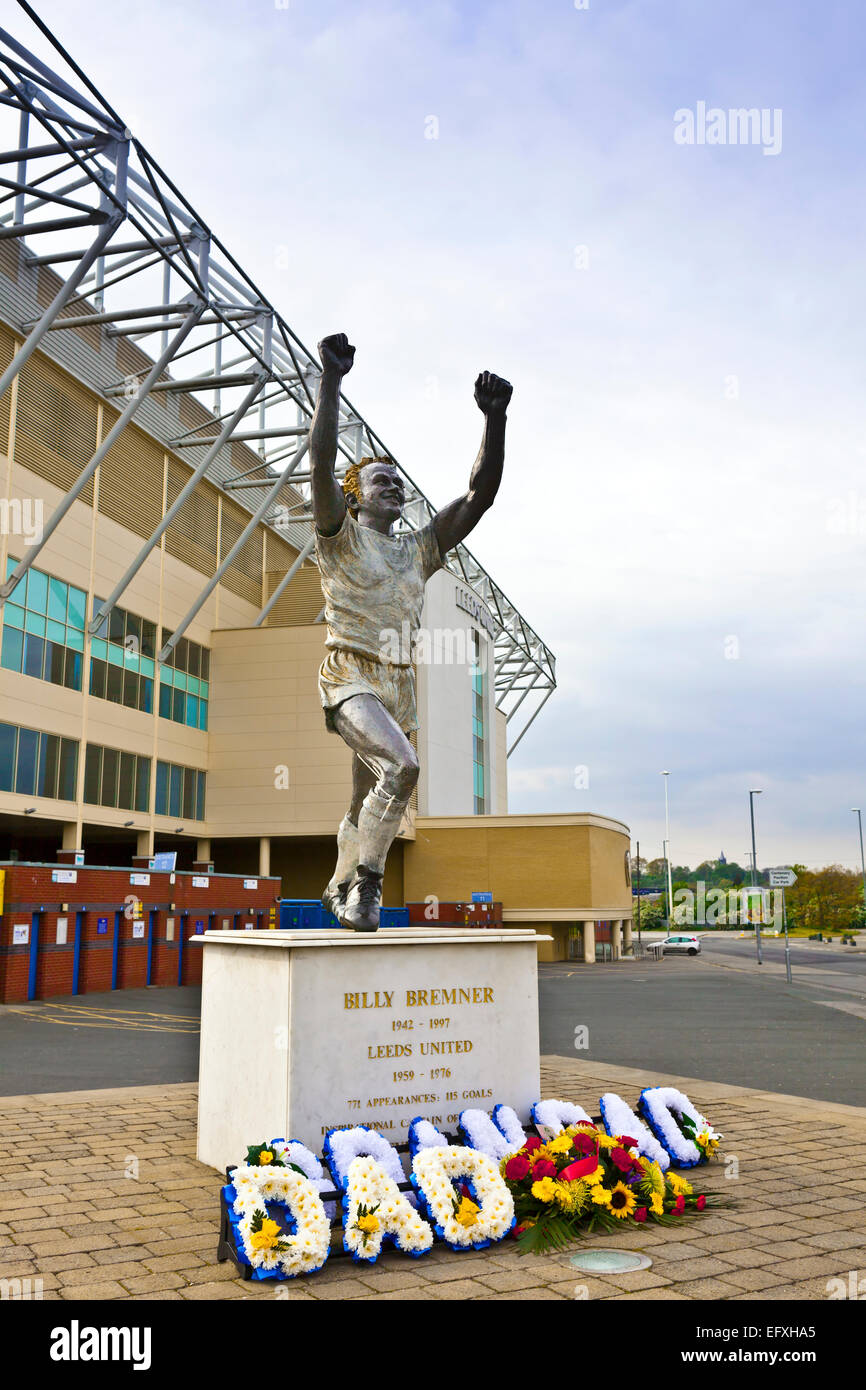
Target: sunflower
[[622, 1201]]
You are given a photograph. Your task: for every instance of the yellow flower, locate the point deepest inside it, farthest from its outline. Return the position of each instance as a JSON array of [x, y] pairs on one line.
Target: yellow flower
[[266, 1237], [266, 1156], [572, 1196], [605, 1142], [368, 1224], [679, 1184], [622, 1201], [708, 1145], [600, 1196], [595, 1177], [657, 1206], [467, 1213], [560, 1145], [545, 1190]]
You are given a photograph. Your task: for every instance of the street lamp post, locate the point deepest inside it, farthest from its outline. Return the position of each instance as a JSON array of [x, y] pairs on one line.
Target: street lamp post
[[666, 775], [752, 794], [862, 860]]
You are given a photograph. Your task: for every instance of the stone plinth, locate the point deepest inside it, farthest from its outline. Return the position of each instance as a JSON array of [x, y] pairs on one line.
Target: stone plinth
[[308, 1030]]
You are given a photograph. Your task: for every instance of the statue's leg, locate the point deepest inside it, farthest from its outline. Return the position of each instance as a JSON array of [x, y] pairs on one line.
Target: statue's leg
[[334, 896], [380, 745]]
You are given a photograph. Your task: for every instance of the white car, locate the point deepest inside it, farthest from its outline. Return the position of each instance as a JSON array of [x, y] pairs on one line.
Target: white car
[[691, 945]]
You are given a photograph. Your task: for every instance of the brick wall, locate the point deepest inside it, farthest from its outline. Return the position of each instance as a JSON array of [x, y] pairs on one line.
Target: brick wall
[[90, 906]]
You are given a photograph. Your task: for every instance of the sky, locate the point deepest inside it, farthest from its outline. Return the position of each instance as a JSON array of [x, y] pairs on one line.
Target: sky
[[508, 186]]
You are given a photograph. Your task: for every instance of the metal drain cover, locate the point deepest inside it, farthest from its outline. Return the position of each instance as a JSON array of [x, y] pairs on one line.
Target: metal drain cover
[[609, 1261]]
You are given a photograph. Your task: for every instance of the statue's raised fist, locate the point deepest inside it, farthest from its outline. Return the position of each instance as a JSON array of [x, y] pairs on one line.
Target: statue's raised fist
[[336, 353], [492, 392]]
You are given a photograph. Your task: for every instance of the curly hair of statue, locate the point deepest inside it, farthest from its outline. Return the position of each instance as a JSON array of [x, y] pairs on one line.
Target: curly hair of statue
[[351, 478]]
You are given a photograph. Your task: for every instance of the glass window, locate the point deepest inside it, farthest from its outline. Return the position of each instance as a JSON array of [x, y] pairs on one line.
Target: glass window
[[205, 665], [77, 609], [175, 788], [130, 689], [74, 639], [13, 650], [142, 783], [49, 754], [34, 622], [192, 711], [57, 592], [28, 756], [126, 784], [161, 807], [72, 674], [145, 700], [114, 684], [148, 638], [13, 615], [92, 773], [165, 694], [181, 655], [37, 591], [8, 738], [99, 648], [115, 625], [132, 635], [178, 706], [98, 671], [55, 663], [67, 769], [194, 664], [34, 655], [56, 632], [202, 714], [200, 777], [108, 793], [188, 792]]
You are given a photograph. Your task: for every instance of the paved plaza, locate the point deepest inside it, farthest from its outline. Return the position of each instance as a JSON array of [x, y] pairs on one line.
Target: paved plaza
[[102, 1198]]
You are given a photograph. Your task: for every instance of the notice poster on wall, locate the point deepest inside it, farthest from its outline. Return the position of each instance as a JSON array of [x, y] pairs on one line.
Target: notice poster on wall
[[138, 930], [62, 925], [102, 926], [64, 876], [20, 933]]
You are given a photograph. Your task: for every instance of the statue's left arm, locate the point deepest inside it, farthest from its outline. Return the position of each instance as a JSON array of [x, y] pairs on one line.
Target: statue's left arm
[[453, 524]]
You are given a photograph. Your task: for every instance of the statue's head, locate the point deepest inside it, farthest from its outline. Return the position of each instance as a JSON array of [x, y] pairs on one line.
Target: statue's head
[[374, 492]]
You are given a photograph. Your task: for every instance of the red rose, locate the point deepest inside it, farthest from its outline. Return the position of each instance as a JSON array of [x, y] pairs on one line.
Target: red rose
[[533, 1142], [640, 1214], [680, 1205], [701, 1202], [623, 1160], [516, 1168], [544, 1168], [584, 1143]]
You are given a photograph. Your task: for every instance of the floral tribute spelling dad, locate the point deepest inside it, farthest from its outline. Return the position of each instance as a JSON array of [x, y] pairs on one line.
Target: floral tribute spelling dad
[[547, 1188]]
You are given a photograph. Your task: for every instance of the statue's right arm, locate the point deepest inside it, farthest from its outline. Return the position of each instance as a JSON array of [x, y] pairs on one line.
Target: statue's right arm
[[329, 506]]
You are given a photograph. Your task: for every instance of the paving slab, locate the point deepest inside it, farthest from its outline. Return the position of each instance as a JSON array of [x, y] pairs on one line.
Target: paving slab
[[93, 1233]]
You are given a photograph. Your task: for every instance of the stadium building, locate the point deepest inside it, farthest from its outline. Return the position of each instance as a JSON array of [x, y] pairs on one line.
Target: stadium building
[[161, 616]]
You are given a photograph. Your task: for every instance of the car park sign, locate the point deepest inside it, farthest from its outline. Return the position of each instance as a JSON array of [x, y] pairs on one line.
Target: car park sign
[[782, 878]]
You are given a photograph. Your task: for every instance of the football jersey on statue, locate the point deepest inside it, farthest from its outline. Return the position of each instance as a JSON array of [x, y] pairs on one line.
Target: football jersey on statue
[[373, 584]]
